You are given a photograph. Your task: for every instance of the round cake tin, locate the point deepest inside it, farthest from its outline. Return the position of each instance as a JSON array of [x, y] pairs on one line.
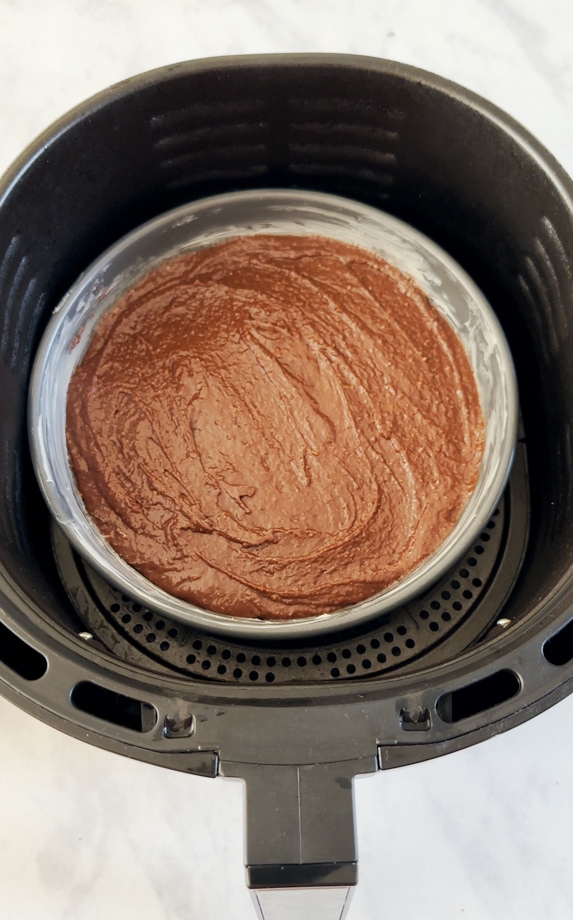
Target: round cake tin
[[204, 223]]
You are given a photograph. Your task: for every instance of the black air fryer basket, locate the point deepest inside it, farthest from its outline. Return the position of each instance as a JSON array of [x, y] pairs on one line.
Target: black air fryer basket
[[488, 647]]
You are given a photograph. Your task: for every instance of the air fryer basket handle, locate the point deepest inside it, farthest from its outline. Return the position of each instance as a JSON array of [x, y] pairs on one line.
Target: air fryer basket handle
[[301, 856]]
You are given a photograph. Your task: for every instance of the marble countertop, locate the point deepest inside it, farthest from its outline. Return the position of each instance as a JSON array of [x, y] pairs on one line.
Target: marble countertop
[[484, 833]]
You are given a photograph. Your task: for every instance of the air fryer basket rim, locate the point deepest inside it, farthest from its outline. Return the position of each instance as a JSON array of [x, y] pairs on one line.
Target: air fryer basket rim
[[353, 62], [378, 703]]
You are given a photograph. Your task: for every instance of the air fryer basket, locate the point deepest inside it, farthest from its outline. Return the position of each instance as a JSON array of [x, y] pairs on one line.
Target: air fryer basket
[[486, 649]]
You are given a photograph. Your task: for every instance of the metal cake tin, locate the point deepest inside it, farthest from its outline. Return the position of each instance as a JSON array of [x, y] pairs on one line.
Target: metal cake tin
[[279, 211]]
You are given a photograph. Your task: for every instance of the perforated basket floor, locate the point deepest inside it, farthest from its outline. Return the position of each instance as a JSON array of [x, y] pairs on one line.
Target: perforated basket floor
[[458, 611]]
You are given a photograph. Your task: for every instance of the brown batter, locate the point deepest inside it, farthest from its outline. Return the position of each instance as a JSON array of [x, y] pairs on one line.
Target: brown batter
[[274, 427]]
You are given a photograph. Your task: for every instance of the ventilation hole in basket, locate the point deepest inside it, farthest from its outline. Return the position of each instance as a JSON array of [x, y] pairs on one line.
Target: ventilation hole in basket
[[164, 646], [396, 651], [478, 696], [558, 650], [446, 617], [334, 672], [197, 645], [388, 637], [126, 618], [410, 643], [435, 605], [401, 630], [206, 665], [191, 659], [301, 661], [115, 608], [346, 653], [367, 664], [286, 662], [350, 669], [424, 615], [434, 626], [253, 675], [20, 657], [211, 650], [237, 673], [138, 628], [256, 660], [360, 649], [172, 633], [221, 669], [381, 657], [113, 707], [455, 584], [269, 677], [160, 625], [375, 643], [316, 659], [331, 657], [241, 657], [271, 661], [226, 654], [150, 637]]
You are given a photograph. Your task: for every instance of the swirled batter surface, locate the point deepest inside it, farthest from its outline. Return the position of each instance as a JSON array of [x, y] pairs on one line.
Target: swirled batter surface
[[274, 427]]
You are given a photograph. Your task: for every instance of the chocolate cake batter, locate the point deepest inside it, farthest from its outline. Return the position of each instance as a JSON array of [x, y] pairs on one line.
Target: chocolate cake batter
[[274, 427]]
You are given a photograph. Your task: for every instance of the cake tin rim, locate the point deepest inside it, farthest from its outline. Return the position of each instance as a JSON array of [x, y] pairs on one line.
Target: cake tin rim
[[414, 584]]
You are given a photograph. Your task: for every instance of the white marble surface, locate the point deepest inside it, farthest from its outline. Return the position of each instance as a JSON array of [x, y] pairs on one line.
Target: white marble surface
[[486, 833]]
